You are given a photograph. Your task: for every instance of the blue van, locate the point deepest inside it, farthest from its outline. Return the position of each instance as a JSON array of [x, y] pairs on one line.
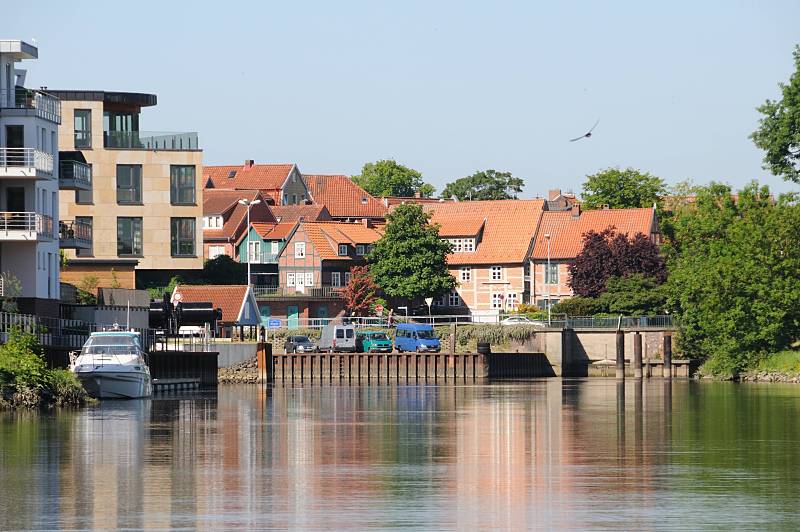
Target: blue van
[[416, 337]]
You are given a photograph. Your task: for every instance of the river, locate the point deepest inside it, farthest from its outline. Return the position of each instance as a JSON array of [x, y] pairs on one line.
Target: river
[[571, 454]]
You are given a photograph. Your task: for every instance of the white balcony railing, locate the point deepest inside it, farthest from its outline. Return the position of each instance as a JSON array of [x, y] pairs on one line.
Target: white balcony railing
[[46, 105], [11, 158], [13, 224]]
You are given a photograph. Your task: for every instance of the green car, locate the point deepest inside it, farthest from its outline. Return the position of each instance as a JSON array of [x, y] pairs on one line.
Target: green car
[[373, 342]]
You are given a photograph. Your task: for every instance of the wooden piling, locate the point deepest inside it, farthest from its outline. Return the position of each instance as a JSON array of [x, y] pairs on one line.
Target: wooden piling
[[637, 355], [620, 355], [667, 356]]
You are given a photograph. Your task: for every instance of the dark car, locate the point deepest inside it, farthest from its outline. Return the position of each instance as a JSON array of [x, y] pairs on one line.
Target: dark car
[[299, 344]]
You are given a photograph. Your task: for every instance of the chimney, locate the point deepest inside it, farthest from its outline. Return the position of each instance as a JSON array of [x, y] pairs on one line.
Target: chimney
[[366, 223], [248, 163], [576, 210], [553, 193]]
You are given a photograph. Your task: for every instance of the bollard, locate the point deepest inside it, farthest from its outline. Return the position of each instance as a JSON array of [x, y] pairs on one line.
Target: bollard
[[620, 355], [637, 355], [667, 356]]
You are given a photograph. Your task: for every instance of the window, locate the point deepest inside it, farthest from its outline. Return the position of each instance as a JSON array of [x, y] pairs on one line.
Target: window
[[290, 279], [346, 278], [551, 273], [342, 250], [511, 301], [309, 278], [215, 251], [286, 199], [454, 300], [182, 237], [83, 128], [294, 199], [212, 222], [462, 245], [129, 183], [86, 220], [466, 273], [497, 273], [336, 279], [299, 250], [254, 251], [129, 236], [181, 185], [360, 249], [275, 247], [497, 300]]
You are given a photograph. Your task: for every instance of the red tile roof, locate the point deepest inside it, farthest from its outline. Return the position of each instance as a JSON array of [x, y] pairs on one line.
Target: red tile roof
[[326, 236], [342, 197], [235, 216], [265, 177], [269, 231], [508, 228], [566, 231], [227, 297], [216, 202], [292, 213]]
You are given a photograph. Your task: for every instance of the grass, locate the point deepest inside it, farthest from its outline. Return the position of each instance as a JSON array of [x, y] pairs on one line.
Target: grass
[[782, 362]]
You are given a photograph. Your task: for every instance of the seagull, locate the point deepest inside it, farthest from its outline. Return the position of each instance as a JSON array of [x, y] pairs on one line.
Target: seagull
[[588, 134]]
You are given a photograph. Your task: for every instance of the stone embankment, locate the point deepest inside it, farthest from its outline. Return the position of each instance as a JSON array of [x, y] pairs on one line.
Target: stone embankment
[[768, 376], [242, 373]]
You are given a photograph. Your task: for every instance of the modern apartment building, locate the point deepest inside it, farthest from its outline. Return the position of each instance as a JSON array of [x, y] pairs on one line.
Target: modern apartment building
[[29, 185], [146, 205]]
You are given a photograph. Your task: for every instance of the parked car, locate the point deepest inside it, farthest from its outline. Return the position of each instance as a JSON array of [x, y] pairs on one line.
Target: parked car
[[416, 337], [373, 342], [338, 337], [299, 344], [522, 320]]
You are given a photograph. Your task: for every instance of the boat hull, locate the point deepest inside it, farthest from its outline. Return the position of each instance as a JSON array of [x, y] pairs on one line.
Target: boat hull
[[116, 384]]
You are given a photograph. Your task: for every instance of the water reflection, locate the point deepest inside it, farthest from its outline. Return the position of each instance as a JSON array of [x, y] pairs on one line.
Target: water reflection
[[552, 453]]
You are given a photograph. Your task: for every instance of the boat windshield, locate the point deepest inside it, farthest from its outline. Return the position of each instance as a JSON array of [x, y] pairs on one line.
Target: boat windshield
[[111, 345]]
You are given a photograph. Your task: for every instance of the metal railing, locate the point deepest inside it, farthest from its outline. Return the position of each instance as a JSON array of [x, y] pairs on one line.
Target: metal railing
[[27, 222], [47, 106], [614, 322], [74, 230], [151, 140], [80, 173], [26, 158], [274, 292], [264, 257]]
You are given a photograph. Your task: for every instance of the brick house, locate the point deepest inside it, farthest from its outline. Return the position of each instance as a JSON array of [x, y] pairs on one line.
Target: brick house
[[492, 241], [313, 265], [225, 219], [565, 230], [280, 184]]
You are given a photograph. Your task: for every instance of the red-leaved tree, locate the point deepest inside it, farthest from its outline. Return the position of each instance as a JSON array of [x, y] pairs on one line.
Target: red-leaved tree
[[359, 293], [609, 254]]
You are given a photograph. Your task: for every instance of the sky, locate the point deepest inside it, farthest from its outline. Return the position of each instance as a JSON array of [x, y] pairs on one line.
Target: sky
[[445, 87]]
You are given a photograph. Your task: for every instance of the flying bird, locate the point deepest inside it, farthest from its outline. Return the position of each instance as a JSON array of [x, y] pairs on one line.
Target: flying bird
[[588, 134]]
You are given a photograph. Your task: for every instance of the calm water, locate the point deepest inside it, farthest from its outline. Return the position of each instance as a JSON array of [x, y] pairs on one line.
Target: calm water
[[548, 454]]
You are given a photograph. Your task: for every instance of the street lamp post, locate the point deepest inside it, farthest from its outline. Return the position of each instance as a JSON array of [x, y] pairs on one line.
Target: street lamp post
[[547, 277], [248, 203]]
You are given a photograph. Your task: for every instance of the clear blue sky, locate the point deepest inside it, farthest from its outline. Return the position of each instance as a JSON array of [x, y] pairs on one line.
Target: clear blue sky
[[447, 88]]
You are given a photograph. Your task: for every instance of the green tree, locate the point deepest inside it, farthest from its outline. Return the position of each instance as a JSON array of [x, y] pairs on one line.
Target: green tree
[[622, 189], [222, 270], [733, 276], [410, 259], [633, 295], [485, 185], [388, 178], [778, 133]]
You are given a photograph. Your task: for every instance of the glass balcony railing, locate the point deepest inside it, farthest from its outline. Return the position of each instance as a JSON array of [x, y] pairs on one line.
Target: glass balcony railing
[[26, 158], [264, 257], [72, 233], [150, 140], [309, 292], [46, 105], [75, 174]]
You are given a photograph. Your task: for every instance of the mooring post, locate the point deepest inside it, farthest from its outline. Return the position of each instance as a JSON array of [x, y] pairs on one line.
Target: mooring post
[[453, 337], [637, 355], [620, 354], [667, 356]]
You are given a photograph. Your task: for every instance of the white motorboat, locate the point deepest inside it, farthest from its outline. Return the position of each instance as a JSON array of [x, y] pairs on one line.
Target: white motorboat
[[112, 365]]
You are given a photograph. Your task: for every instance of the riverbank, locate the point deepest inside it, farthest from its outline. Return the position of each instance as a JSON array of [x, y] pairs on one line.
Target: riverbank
[[242, 373]]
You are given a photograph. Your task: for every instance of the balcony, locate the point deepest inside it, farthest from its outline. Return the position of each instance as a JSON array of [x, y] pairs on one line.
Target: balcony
[[74, 235], [25, 226], [263, 257], [75, 175], [151, 140], [25, 162], [309, 292], [42, 104]]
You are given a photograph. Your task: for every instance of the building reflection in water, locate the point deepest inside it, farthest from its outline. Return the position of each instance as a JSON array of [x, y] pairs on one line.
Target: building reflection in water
[[553, 453]]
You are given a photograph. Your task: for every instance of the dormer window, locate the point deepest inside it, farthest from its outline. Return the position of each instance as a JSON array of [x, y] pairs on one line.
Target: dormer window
[[462, 245], [361, 249], [212, 222], [342, 250]]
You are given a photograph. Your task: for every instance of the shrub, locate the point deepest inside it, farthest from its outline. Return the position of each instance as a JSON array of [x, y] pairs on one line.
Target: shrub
[[579, 306]]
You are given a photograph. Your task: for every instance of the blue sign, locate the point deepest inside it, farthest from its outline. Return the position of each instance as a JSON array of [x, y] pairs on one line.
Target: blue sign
[[274, 324]]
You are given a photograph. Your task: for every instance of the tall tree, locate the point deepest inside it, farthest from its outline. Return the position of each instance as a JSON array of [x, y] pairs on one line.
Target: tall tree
[[485, 185], [608, 254], [779, 131], [410, 259], [622, 189], [388, 178], [359, 294]]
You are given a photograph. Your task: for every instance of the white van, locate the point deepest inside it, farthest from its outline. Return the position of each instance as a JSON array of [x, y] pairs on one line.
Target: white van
[[337, 337]]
